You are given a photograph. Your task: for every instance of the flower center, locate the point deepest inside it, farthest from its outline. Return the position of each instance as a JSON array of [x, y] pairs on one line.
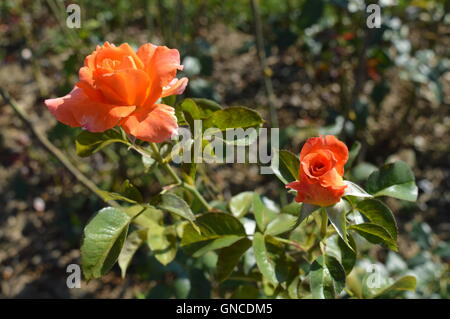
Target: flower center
[[319, 167], [318, 163]]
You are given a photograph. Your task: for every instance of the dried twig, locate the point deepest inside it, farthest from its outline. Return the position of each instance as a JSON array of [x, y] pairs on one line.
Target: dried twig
[[263, 62], [52, 149]]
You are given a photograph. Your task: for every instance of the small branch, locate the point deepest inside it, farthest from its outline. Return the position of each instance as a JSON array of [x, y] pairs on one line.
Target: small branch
[[290, 242], [52, 149], [177, 180], [264, 67]]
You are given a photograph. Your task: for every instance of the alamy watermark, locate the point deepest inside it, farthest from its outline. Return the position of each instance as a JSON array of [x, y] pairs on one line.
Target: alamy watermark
[[74, 278], [375, 279], [74, 16], [374, 18], [233, 145]]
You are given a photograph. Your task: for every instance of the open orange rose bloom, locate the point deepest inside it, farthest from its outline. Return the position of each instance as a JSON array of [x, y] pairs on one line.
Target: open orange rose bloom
[[120, 87], [322, 161]]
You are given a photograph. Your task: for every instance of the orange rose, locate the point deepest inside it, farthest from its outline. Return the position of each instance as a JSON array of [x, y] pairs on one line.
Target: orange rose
[[121, 87], [322, 161]]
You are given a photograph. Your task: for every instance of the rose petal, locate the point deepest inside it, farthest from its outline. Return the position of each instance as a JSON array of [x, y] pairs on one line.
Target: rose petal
[[124, 87], [145, 53], [155, 126], [328, 142], [164, 65], [177, 86], [76, 109], [316, 194]]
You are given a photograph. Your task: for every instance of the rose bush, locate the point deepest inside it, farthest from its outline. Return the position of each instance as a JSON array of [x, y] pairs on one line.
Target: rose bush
[[289, 251]]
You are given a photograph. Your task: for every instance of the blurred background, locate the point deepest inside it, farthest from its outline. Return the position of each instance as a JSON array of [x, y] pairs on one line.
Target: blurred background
[[309, 66]]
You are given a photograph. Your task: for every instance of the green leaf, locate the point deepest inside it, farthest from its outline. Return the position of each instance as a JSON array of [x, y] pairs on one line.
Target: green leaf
[[402, 284], [211, 226], [216, 230], [375, 234], [353, 189], [327, 277], [263, 215], [163, 243], [229, 258], [287, 166], [352, 155], [144, 216], [336, 214], [199, 249], [265, 265], [306, 211], [131, 245], [345, 253], [241, 203], [175, 205], [394, 180], [103, 239], [199, 109], [379, 214], [207, 106], [88, 143], [233, 117], [128, 193], [281, 224]]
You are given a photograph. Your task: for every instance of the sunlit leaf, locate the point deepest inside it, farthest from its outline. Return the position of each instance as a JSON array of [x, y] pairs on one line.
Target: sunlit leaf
[[131, 245], [88, 143], [306, 211], [198, 109], [353, 189], [229, 258], [176, 205], [233, 117], [263, 215], [162, 242], [375, 234], [327, 277], [345, 253], [336, 214], [379, 214], [241, 203], [402, 284], [394, 180], [216, 231], [265, 264], [281, 224], [103, 239]]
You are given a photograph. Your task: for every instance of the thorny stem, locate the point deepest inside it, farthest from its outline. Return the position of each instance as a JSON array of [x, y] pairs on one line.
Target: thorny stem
[[178, 181], [290, 242], [49, 147], [324, 224]]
